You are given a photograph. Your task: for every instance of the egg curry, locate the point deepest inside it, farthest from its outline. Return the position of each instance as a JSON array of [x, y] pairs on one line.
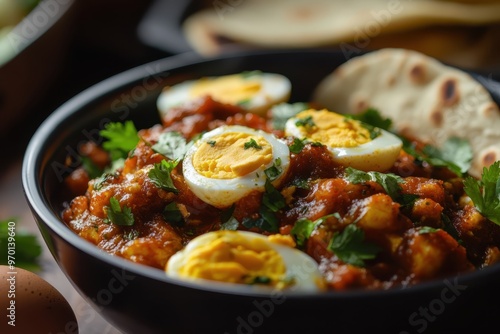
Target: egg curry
[[240, 187]]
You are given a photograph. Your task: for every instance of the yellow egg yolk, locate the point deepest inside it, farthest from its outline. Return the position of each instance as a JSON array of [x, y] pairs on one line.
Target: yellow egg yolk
[[232, 154], [234, 259], [230, 89], [331, 129]]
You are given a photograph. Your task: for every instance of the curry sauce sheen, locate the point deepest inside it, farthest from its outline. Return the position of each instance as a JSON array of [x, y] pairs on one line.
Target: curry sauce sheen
[[435, 234]]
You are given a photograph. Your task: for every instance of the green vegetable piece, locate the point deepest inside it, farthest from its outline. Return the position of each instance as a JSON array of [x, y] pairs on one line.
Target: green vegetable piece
[[456, 155], [172, 214], [373, 117], [274, 171], [252, 144], [390, 182], [172, 145], [306, 121], [297, 146], [118, 215], [228, 221], [92, 170], [350, 246], [160, 175], [122, 138], [280, 113], [303, 228], [485, 193], [26, 246]]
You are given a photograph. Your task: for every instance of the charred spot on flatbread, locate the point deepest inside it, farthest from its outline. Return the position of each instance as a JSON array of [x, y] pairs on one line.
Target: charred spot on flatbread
[[489, 158], [449, 92], [418, 74]]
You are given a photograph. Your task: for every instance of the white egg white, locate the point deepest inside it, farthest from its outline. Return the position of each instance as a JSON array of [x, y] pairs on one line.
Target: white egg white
[[379, 154], [274, 88], [223, 193], [300, 267]]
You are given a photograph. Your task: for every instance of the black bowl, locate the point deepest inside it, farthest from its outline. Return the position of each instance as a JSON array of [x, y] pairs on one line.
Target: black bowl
[[138, 299]]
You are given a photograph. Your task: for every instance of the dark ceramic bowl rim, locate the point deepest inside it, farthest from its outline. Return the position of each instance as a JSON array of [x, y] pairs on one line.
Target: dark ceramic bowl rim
[[34, 160], [25, 42]]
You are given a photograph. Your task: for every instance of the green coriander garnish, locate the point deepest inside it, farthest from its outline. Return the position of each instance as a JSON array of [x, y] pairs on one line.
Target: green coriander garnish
[[172, 214], [297, 145], [350, 246], [390, 182], [172, 145], [303, 228], [306, 122], [252, 144], [122, 138], [485, 193], [274, 171], [160, 175], [118, 215]]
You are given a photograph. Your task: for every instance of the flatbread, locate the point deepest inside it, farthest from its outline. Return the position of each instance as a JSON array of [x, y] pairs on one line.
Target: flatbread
[[424, 98], [313, 23]]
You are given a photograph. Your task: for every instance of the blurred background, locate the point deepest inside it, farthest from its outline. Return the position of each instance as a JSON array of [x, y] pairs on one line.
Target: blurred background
[[66, 46]]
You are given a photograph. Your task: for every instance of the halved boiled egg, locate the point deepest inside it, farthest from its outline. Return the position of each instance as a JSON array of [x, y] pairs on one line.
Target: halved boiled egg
[[351, 143], [249, 258], [254, 91], [229, 162]]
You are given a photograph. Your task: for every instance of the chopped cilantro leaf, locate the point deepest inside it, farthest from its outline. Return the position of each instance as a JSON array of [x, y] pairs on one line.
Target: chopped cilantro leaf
[[267, 221], [350, 246], [272, 198], [303, 228], [118, 215], [306, 121], [172, 214], [211, 143], [122, 138], [172, 145], [228, 222], [297, 146], [373, 117], [456, 155], [133, 234], [301, 184], [272, 202], [390, 182], [427, 229], [260, 280], [244, 103], [280, 113], [274, 171], [249, 74], [252, 144], [485, 193], [90, 167], [27, 246], [230, 225], [160, 175], [101, 180]]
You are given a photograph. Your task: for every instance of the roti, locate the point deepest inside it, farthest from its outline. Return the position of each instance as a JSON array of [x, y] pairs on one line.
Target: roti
[[425, 99], [301, 23]]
